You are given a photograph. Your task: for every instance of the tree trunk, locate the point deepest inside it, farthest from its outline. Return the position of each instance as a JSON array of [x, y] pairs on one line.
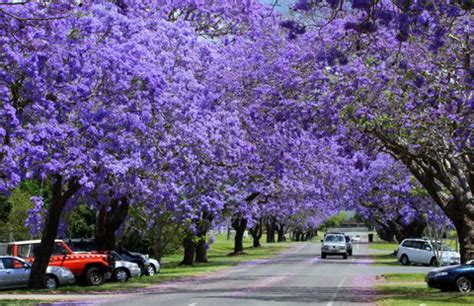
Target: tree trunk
[[201, 250], [109, 220], [402, 231], [189, 251], [281, 233], [256, 233], [465, 231], [43, 254], [158, 241], [298, 236], [239, 224], [270, 227]]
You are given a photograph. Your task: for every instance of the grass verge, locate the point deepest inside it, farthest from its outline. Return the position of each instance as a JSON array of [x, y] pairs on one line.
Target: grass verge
[[411, 289], [171, 270]]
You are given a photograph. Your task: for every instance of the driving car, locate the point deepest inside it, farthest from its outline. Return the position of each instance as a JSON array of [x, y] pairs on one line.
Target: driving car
[[348, 245], [334, 244], [424, 251], [458, 277], [15, 273]]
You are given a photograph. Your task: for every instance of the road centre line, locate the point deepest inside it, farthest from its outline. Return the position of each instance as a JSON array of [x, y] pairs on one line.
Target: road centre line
[[333, 298]]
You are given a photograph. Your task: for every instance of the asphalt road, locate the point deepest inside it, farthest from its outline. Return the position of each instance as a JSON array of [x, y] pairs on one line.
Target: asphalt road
[[297, 277]]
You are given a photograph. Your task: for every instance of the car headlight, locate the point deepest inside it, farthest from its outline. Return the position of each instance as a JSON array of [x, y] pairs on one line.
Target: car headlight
[[441, 274]]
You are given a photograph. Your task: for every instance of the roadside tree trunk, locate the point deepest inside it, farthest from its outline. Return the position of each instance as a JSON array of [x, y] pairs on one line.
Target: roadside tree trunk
[[270, 227], [239, 224], [201, 247], [109, 220], [189, 251], [43, 254], [281, 233], [256, 233]]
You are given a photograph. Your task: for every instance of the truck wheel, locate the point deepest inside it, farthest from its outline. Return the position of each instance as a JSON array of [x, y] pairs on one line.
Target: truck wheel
[[94, 277], [344, 256], [350, 253], [51, 282], [121, 275], [323, 255]]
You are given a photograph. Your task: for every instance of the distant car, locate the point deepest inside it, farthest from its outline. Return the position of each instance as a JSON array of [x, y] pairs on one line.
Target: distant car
[[348, 245], [458, 277], [356, 238], [15, 273], [423, 251], [334, 244], [124, 270], [155, 266]]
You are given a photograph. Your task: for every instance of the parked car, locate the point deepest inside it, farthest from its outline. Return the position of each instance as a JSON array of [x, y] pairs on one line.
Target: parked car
[[15, 273], [348, 244], [93, 268], [138, 258], [356, 238], [458, 277], [124, 270], [143, 261], [155, 266], [334, 244], [424, 251]]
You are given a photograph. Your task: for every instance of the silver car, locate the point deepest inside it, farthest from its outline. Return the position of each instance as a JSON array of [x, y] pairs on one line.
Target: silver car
[[124, 270], [15, 273], [154, 266]]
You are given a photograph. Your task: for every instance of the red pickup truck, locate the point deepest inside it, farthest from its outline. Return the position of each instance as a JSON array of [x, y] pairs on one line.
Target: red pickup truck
[[93, 268]]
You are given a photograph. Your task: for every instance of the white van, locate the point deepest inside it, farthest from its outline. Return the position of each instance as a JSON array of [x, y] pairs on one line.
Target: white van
[[423, 251]]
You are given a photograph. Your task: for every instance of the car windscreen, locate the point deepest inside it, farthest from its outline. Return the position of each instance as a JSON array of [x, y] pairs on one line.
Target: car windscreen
[[334, 238]]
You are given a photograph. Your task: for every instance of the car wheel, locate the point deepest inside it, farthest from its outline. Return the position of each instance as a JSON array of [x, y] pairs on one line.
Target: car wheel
[[464, 284], [323, 255], [350, 253], [433, 262], [121, 275], [94, 277], [51, 282], [344, 256], [404, 260], [151, 270]]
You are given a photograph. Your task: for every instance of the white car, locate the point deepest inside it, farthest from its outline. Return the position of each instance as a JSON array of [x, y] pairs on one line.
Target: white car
[[334, 244], [423, 251], [154, 266]]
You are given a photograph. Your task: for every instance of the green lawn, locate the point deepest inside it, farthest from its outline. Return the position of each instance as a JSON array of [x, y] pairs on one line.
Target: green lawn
[[411, 289], [171, 270], [383, 246]]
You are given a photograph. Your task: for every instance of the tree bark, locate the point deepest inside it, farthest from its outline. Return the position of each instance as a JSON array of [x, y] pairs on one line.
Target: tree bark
[[256, 233], [58, 201], [189, 251], [281, 233], [270, 227], [402, 231], [239, 224], [109, 221], [201, 250]]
